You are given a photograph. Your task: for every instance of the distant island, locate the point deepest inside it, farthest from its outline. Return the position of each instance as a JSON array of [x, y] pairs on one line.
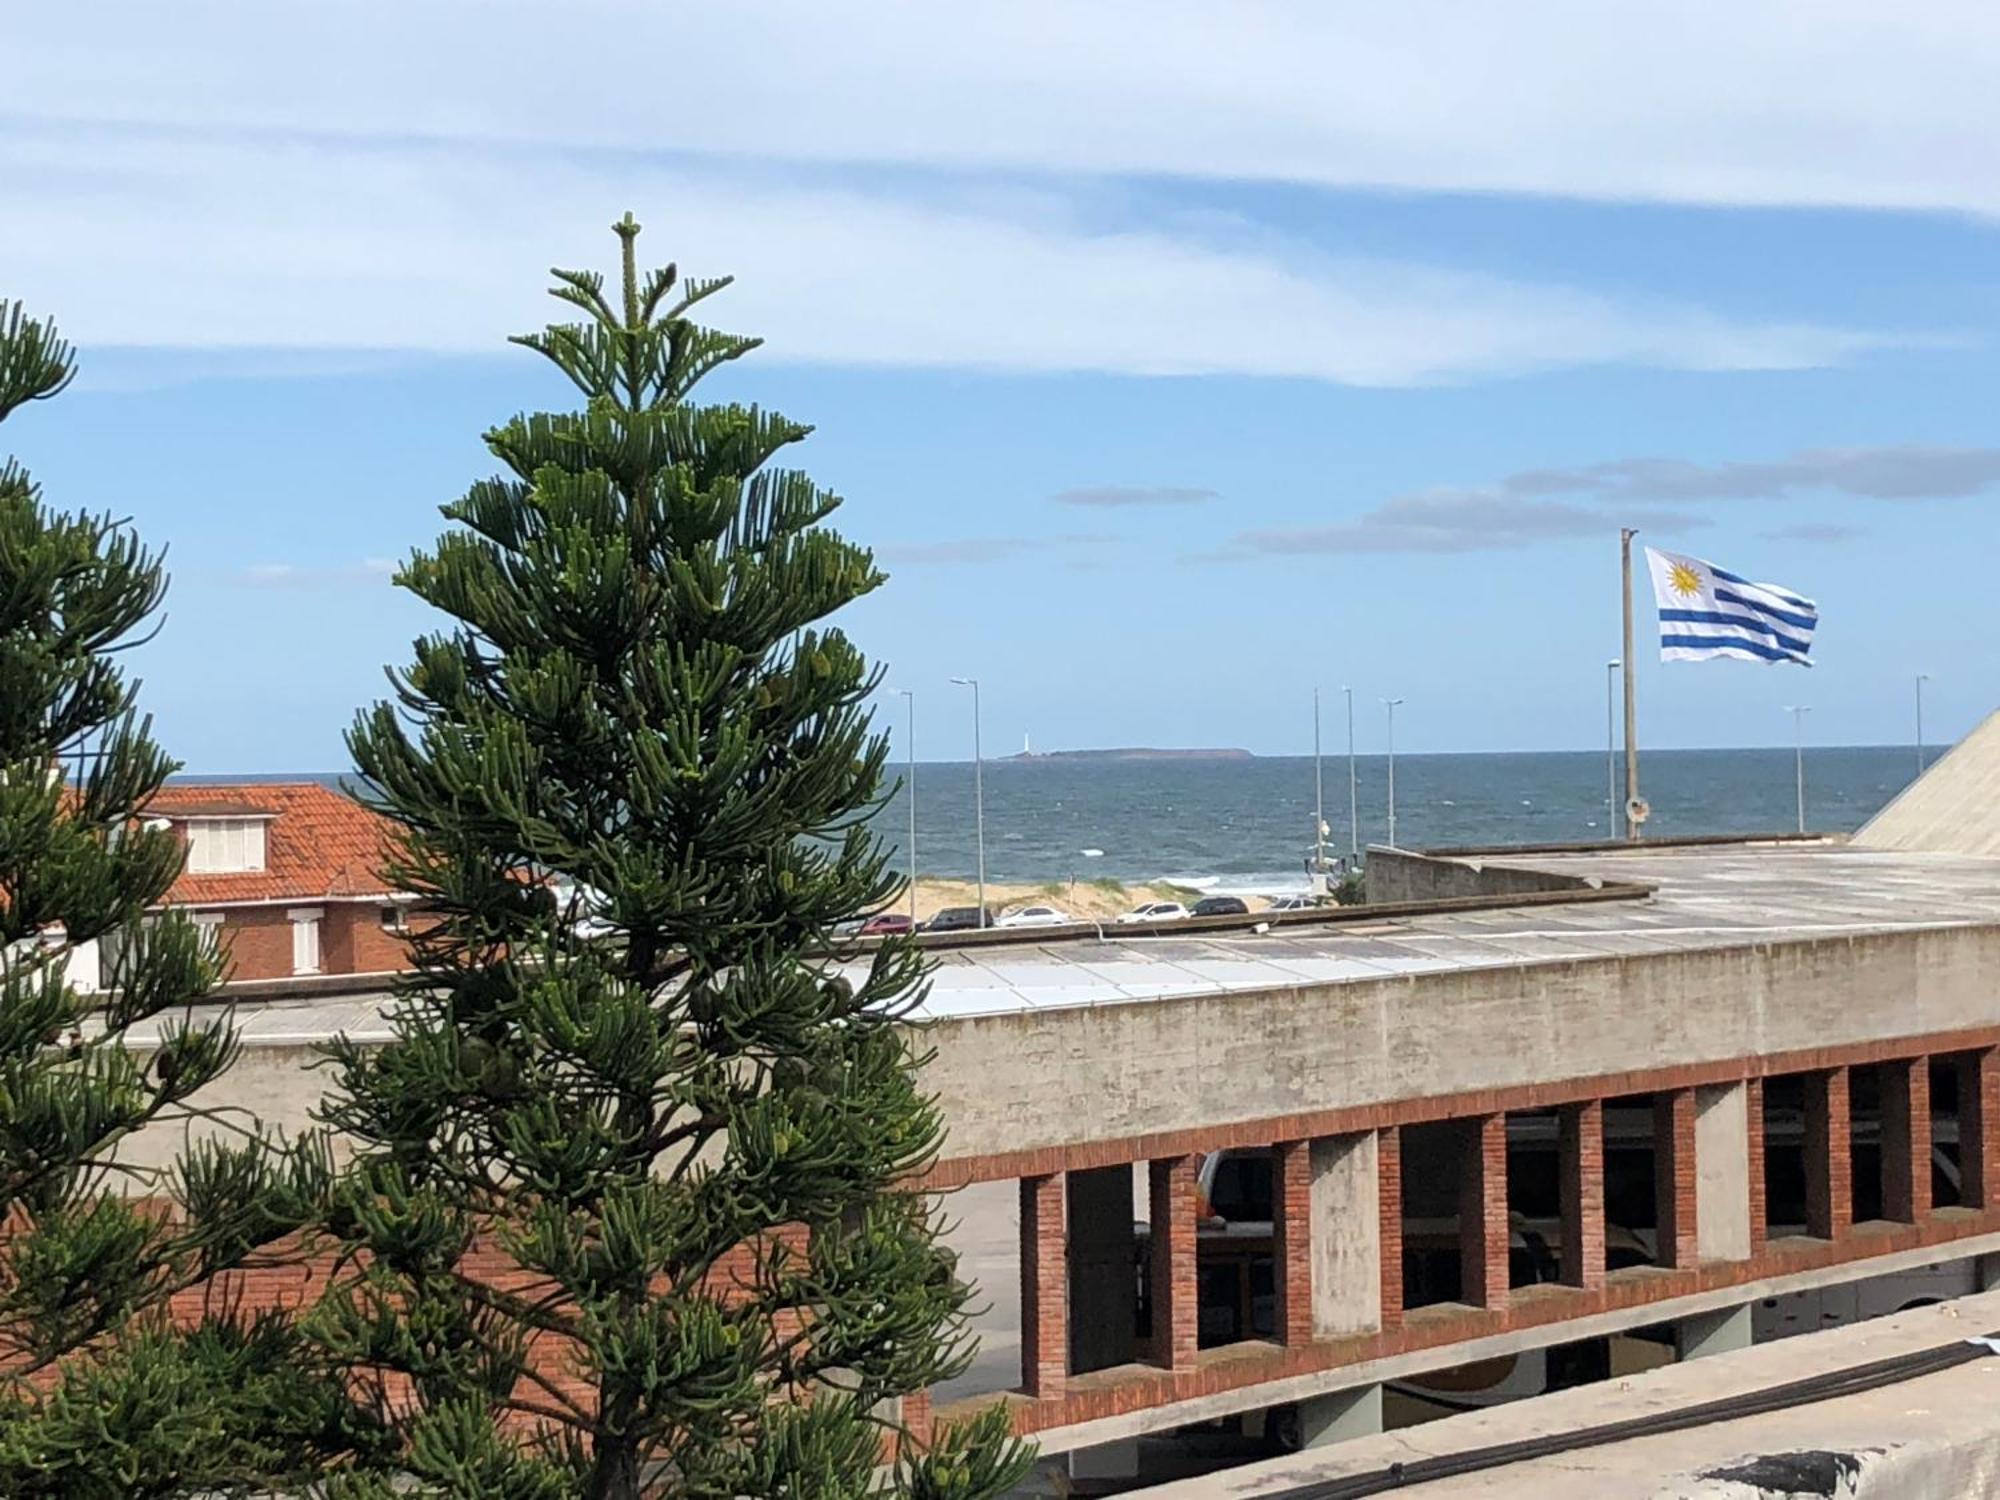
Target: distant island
[[1131, 752]]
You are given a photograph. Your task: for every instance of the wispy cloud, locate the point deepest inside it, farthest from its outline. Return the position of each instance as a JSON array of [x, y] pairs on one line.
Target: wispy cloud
[[368, 569], [1516, 511], [1812, 531], [1905, 472], [288, 242], [1689, 101], [1445, 521], [1111, 496]]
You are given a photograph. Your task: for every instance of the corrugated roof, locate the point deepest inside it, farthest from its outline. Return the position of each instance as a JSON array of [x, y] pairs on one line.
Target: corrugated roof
[[320, 843]]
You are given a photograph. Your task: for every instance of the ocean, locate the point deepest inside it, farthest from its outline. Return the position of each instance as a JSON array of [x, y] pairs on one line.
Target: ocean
[[1246, 825]]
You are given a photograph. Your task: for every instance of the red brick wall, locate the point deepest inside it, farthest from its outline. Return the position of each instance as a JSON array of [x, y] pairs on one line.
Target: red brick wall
[[1979, 1127], [257, 941], [1389, 1190], [1291, 1245], [1581, 1187], [1906, 1139], [1482, 1215], [1829, 1155], [1753, 1110], [1674, 1176], [368, 949], [1044, 1288], [1172, 1184]]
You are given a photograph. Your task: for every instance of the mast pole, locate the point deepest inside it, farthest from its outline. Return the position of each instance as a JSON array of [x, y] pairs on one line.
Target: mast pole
[[1632, 824]]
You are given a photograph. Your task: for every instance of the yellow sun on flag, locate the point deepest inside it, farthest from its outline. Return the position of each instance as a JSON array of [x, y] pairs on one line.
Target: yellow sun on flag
[[1686, 582]]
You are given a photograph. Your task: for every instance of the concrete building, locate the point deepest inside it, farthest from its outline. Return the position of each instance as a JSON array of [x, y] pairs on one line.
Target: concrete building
[[285, 876], [1560, 1096]]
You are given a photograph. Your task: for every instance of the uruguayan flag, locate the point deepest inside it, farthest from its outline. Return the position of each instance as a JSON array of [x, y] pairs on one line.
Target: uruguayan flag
[[1706, 612]]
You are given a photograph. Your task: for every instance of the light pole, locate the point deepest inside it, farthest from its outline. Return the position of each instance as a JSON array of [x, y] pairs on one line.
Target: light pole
[[1798, 713], [1922, 678], [1353, 796], [978, 791], [1390, 704], [1319, 808], [910, 791], [1611, 741]]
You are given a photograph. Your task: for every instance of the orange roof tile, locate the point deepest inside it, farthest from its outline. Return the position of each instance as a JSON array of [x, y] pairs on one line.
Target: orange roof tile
[[319, 843]]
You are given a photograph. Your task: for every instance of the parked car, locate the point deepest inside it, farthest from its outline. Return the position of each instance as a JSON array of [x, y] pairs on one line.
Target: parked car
[[884, 922], [959, 919], [1156, 911], [1220, 906], [1035, 916], [1292, 903]]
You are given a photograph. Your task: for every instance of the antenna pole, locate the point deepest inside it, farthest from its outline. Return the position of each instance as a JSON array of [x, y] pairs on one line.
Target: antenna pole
[[1631, 696]]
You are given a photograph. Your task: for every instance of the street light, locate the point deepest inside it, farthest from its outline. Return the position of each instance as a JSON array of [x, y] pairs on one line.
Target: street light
[[1611, 741], [910, 791], [1319, 808], [1922, 678], [1798, 713], [978, 791], [1390, 704], [1353, 797]]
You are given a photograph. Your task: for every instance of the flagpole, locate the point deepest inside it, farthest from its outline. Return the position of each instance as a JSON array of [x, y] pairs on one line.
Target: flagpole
[[1632, 833]]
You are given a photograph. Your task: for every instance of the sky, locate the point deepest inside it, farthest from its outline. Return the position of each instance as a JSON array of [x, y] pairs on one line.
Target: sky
[[1173, 358]]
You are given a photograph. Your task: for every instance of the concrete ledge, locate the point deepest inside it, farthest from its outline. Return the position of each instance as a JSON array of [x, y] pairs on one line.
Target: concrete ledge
[[1938, 1435]]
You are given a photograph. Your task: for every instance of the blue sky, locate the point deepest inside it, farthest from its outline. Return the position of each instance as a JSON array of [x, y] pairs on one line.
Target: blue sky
[[1374, 323]]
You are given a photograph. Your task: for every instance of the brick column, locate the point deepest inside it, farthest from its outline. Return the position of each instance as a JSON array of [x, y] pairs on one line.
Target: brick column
[[1906, 1139], [1389, 1192], [1482, 1213], [1829, 1157], [1979, 1128], [1581, 1190], [917, 1418], [1753, 1109], [1044, 1289], [1171, 1183], [1291, 1240], [1674, 1178]]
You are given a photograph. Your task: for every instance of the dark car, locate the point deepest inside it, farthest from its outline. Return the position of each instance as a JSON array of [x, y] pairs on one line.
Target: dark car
[[1220, 906], [886, 922], [958, 919]]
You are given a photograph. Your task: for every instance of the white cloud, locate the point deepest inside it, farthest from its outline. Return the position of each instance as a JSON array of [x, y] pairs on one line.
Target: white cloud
[[1821, 102], [132, 238]]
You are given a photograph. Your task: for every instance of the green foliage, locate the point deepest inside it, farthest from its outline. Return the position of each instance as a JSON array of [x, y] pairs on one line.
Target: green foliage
[[86, 1264], [634, 776], [1352, 889]]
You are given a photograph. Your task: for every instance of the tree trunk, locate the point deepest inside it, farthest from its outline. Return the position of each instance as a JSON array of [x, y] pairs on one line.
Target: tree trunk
[[615, 1476]]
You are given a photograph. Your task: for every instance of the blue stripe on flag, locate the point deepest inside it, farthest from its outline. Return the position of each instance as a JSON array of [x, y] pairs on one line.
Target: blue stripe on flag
[[1737, 643], [1804, 622], [1716, 617], [1792, 599]]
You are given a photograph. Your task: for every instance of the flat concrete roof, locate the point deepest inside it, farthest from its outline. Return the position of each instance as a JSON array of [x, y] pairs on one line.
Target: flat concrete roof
[[1705, 897]]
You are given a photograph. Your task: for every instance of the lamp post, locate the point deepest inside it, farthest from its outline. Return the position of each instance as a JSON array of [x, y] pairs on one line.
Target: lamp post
[[910, 791], [1390, 704], [978, 791], [1611, 741], [1353, 795], [1922, 678], [1319, 808], [1798, 713]]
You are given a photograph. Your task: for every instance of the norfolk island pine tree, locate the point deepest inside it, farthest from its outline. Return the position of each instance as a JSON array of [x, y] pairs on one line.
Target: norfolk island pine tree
[[634, 777], [126, 1368]]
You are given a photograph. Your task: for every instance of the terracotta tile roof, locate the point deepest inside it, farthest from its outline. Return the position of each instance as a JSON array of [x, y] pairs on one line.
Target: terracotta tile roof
[[319, 842]]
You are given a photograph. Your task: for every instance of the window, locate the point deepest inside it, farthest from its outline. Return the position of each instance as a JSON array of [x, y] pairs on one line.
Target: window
[[305, 939], [221, 846], [210, 923]]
